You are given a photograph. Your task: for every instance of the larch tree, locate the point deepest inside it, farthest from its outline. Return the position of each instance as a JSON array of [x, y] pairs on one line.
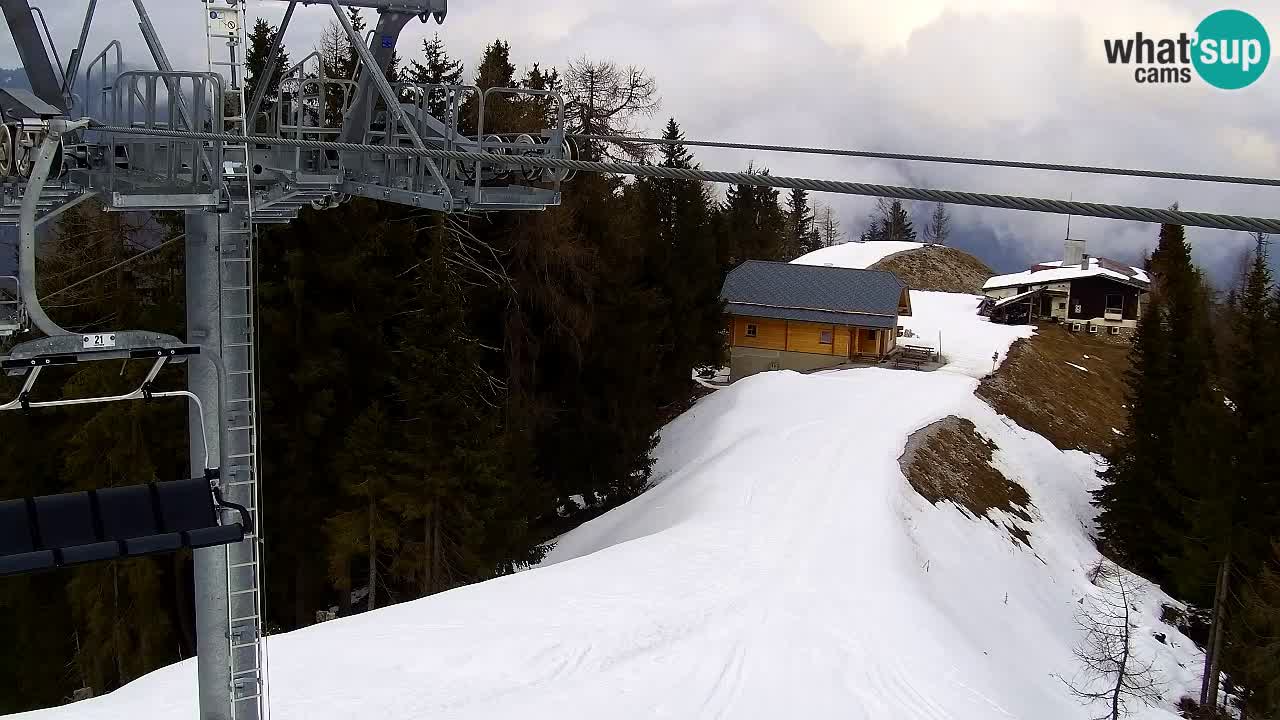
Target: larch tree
[[827, 226], [939, 227], [603, 98], [1112, 672]]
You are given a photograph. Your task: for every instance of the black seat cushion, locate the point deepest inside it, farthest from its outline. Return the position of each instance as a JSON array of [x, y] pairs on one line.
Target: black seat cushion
[[65, 520], [130, 516], [90, 552], [67, 524], [217, 535], [15, 528], [26, 562], [18, 553], [186, 505]]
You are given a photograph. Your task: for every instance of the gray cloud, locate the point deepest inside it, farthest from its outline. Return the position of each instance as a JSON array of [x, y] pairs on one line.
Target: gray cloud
[[1021, 79]]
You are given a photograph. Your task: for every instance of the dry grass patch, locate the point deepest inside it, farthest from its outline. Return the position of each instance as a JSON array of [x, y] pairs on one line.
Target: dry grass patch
[[1042, 387], [937, 267], [950, 460]]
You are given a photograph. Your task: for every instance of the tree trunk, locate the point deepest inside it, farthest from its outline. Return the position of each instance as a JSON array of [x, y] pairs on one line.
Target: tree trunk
[[1212, 658], [1124, 655], [428, 547], [373, 556], [344, 591], [300, 618], [182, 595], [437, 549]]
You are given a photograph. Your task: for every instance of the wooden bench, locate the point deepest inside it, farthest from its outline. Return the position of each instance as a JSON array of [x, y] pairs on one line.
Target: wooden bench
[[913, 355]]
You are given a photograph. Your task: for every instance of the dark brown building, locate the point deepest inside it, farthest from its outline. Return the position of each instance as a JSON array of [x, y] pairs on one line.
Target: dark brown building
[[1090, 294]]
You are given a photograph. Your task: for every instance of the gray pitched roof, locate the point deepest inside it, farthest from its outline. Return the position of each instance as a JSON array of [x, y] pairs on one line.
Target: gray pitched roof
[[813, 293]]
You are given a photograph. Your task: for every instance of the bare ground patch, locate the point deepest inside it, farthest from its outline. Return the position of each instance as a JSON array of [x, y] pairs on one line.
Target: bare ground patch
[[950, 460], [939, 268], [1068, 387]]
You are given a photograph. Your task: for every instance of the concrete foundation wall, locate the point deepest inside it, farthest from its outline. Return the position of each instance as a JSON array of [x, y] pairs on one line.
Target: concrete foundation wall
[[745, 361]]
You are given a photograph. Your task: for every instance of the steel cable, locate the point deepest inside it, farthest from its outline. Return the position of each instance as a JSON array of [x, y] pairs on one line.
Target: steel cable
[[1009, 202], [1094, 169]]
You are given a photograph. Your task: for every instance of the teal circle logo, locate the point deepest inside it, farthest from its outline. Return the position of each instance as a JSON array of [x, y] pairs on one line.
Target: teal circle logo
[[1232, 49]]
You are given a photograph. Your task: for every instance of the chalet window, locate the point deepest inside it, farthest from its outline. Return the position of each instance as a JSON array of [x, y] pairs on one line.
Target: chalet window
[[1062, 305], [1115, 302], [751, 330], [824, 337]]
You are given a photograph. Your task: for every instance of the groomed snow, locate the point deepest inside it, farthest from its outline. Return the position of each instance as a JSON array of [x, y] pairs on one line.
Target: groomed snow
[[967, 340], [781, 566], [855, 254]]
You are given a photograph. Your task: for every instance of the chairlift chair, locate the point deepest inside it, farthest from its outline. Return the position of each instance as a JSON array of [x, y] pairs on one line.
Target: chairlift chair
[[51, 531]]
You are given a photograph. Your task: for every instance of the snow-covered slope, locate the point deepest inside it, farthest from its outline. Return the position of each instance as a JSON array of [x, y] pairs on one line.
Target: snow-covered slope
[[949, 323], [855, 254], [781, 566]]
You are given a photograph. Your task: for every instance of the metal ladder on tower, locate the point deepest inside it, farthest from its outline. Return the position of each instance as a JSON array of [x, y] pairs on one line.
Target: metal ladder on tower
[[226, 36]]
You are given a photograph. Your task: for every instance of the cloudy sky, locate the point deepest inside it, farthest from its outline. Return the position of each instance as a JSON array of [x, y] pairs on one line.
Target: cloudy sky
[[1016, 79]]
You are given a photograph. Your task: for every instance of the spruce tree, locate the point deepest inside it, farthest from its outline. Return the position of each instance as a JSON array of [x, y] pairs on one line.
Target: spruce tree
[[501, 112], [684, 263], [256, 63], [800, 237], [1128, 501], [1166, 467], [436, 68], [874, 232], [1257, 642], [892, 222], [752, 223]]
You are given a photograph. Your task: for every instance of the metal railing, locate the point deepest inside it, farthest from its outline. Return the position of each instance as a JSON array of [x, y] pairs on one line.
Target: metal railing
[[165, 100]]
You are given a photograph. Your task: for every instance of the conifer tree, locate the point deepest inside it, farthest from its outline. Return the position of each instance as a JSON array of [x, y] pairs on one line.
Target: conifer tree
[[800, 235], [436, 68], [873, 232], [367, 531], [1128, 501], [753, 224], [1257, 638], [260, 40], [684, 261], [1169, 503], [891, 222]]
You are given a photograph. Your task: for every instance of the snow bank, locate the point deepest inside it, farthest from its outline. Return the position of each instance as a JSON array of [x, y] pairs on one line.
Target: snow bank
[[781, 566], [855, 254], [967, 339]]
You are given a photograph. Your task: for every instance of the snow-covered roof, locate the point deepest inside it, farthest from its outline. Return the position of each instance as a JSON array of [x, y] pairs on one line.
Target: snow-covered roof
[[856, 254], [1054, 272], [1015, 298]]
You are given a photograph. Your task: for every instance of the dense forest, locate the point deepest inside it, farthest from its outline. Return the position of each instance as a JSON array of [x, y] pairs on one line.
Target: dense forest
[[441, 396], [1192, 497]]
